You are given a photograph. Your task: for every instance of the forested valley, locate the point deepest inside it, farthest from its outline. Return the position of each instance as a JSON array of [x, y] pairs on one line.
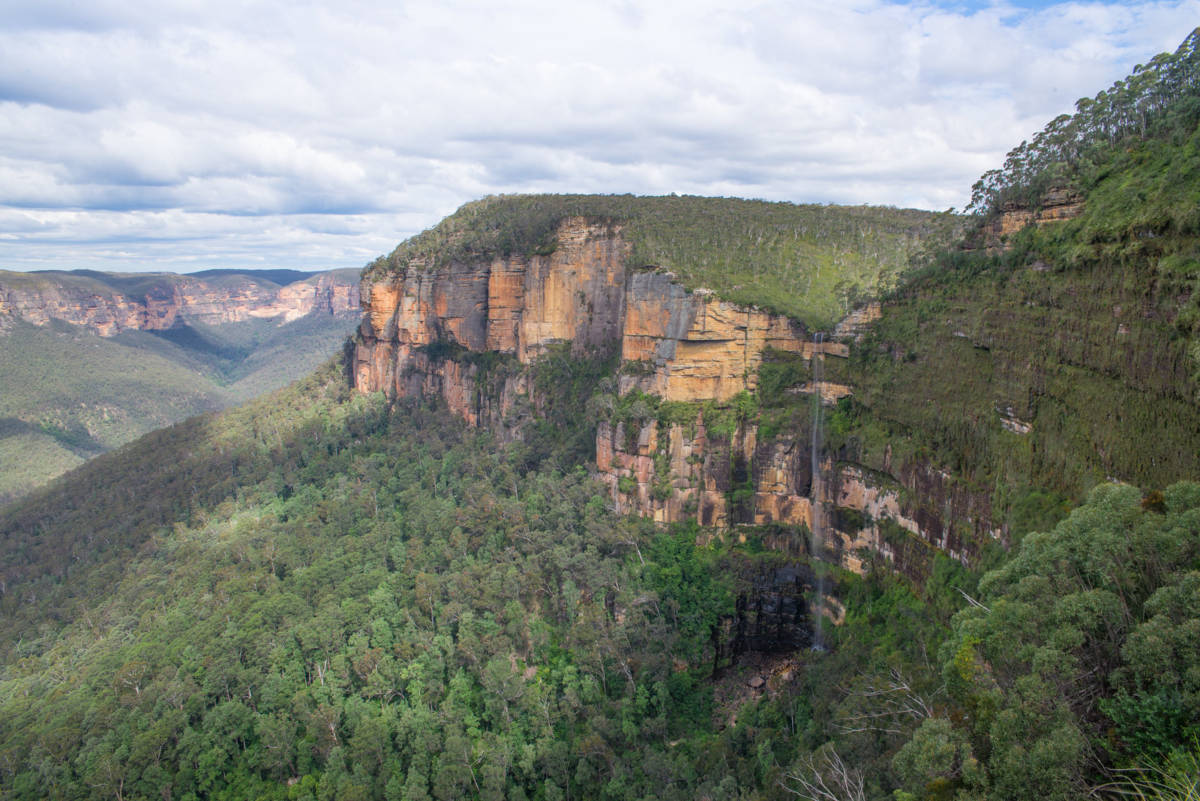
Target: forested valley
[[370, 602]]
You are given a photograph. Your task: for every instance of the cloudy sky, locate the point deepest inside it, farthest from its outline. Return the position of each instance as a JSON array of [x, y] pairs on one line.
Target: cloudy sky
[[187, 134]]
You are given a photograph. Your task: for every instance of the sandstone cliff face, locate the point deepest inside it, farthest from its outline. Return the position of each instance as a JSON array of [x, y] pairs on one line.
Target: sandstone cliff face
[[424, 333], [676, 474], [855, 324], [167, 300], [206, 303], [1057, 205], [684, 473], [697, 347], [105, 314], [923, 505], [515, 306], [693, 347]]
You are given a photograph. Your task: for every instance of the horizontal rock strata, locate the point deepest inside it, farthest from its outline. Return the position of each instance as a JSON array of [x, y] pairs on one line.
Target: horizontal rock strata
[[168, 300]]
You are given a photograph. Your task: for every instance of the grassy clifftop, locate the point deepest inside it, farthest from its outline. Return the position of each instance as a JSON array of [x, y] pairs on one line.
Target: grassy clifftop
[[807, 261]]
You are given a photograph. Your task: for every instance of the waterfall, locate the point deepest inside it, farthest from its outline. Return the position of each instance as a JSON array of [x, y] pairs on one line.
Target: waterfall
[[817, 529]]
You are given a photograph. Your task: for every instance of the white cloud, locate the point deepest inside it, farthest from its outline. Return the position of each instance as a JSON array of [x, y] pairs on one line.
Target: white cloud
[[145, 134]]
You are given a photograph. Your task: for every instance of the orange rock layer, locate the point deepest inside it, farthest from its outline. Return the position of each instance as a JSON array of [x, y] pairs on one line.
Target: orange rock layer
[[1057, 205], [694, 346]]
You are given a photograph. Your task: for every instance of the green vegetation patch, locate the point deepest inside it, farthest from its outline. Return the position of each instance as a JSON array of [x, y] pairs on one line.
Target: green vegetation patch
[[29, 456], [1067, 359], [1072, 354], [1159, 100], [89, 394], [318, 595], [808, 261]]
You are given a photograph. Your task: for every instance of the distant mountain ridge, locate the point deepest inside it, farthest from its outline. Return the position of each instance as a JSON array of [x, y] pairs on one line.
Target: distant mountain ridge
[[92, 360], [280, 276], [109, 303]]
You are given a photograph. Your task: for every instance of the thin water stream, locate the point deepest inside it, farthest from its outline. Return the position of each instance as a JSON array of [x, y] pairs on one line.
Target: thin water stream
[[817, 529]]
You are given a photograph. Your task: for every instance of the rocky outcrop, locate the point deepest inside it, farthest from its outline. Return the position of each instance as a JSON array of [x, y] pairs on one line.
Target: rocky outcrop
[[676, 474], [719, 481], [109, 304], [684, 473], [906, 517], [696, 346], [1055, 206], [515, 306], [422, 332], [856, 323]]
